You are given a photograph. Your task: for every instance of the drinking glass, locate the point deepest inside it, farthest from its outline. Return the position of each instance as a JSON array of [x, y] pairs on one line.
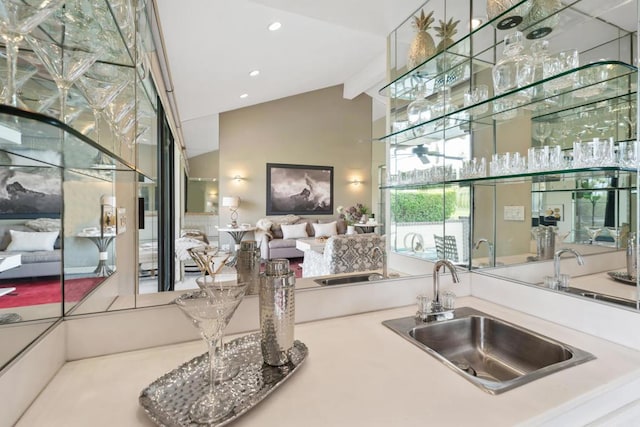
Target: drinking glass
[[17, 19], [615, 233], [593, 231], [65, 64], [542, 131], [25, 69], [210, 312], [559, 63], [591, 81], [100, 85], [475, 96]]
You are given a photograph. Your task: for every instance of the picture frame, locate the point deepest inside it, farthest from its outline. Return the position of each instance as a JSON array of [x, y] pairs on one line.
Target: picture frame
[[121, 220], [108, 219], [299, 189], [31, 192]]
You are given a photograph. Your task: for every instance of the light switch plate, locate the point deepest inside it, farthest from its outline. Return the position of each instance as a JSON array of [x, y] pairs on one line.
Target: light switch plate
[[514, 213]]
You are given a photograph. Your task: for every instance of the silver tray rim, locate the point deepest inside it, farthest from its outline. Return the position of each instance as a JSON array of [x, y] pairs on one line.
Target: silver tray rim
[[622, 277], [256, 398]]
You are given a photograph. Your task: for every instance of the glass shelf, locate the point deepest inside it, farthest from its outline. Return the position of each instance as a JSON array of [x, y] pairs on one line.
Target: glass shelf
[[430, 69], [534, 177], [619, 75], [33, 137]]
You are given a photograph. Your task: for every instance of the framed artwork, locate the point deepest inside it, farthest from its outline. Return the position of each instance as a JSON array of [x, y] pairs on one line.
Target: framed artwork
[[108, 219], [30, 192], [299, 189], [121, 220]]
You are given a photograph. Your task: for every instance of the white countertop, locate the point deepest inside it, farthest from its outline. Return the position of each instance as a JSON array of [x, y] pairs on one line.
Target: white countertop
[[357, 373]]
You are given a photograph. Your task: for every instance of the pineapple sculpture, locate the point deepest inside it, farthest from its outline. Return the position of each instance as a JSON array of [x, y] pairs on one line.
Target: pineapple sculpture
[[445, 32], [422, 47]]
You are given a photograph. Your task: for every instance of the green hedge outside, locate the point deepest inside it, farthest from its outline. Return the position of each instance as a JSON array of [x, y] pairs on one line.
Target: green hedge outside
[[422, 206]]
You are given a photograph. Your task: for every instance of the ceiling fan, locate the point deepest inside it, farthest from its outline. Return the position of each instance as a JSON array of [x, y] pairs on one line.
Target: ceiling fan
[[423, 153]]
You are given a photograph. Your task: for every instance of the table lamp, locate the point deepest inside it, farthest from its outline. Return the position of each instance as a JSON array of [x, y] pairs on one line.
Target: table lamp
[[232, 202]]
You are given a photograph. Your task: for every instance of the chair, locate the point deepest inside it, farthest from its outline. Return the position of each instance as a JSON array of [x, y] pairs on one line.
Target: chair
[[345, 254], [446, 247]]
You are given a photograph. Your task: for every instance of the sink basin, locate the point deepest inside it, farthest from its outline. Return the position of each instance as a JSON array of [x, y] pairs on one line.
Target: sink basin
[[492, 354], [341, 280]]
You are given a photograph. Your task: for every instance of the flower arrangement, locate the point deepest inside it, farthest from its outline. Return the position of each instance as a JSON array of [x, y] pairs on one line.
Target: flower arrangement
[[353, 214]]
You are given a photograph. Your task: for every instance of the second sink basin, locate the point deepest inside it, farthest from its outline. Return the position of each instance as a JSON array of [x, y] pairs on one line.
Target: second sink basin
[[493, 354], [341, 280]]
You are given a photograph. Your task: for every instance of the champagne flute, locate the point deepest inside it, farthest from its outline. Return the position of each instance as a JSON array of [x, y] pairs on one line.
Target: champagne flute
[[210, 313]]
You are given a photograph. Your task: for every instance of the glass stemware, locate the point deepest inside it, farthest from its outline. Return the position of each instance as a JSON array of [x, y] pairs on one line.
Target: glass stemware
[[210, 312], [615, 233], [204, 257], [100, 85], [594, 232], [64, 64], [17, 19]]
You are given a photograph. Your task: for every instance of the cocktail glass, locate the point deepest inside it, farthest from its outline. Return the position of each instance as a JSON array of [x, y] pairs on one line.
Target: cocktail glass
[[210, 312], [615, 233], [64, 64], [100, 85], [204, 257], [593, 232], [17, 19]]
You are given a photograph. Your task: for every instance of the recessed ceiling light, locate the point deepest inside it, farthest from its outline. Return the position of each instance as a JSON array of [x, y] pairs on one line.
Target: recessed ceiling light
[[254, 73], [244, 95], [274, 26]]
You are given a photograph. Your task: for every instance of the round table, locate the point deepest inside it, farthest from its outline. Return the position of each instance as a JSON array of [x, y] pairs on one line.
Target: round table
[[102, 243], [367, 227], [236, 233]]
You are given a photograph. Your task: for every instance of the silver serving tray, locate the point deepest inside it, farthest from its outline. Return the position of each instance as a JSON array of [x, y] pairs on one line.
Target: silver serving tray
[[622, 276], [167, 400]]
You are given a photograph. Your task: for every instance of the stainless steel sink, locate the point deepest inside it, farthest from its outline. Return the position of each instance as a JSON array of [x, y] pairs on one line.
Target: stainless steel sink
[[492, 354], [341, 280]]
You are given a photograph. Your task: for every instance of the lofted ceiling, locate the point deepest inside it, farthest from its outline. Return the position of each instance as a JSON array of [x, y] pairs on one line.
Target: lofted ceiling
[[212, 45]]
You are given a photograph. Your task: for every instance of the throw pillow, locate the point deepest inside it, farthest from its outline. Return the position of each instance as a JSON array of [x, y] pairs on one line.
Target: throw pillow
[[294, 231], [44, 224], [31, 241], [325, 230]]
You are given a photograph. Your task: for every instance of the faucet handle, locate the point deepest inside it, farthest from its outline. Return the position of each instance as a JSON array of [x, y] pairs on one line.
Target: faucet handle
[[448, 300], [424, 306]]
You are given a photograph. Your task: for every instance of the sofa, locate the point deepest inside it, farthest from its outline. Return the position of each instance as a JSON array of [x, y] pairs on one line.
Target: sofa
[[345, 254], [273, 242], [38, 243]]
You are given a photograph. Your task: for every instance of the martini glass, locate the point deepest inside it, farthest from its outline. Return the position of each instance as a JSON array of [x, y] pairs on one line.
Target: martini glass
[[25, 69], [204, 257], [210, 312], [65, 64], [593, 231], [100, 85], [17, 19]]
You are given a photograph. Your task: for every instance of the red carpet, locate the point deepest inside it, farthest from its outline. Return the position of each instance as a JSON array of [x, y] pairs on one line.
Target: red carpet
[[47, 290]]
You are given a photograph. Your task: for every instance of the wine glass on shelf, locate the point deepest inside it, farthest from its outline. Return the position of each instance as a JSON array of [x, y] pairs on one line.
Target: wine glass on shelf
[[541, 131], [17, 19], [594, 232], [210, 313]]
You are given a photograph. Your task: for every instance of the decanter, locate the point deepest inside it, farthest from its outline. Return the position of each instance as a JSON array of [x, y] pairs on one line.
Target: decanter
[[514, 70]]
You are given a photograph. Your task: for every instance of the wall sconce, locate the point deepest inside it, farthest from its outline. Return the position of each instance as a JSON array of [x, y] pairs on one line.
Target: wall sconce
[[238, 178], [232, 202], [356, 182]]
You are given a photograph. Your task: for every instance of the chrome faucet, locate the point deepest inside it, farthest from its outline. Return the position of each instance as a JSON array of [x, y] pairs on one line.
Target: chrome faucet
[[383, 254], [490, 247], [435, 304], [556, 261]]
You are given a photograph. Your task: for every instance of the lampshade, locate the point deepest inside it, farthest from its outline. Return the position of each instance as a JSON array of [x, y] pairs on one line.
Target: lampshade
[[231, 201]]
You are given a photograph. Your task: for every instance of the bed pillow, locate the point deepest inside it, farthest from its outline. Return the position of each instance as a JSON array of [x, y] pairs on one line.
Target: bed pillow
[[326, 229], [294, 231], [24, 241]]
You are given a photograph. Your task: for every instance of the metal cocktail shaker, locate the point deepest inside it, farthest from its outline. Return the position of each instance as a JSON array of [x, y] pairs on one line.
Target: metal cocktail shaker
[[248, 265], [632, 256], [277, 311]]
